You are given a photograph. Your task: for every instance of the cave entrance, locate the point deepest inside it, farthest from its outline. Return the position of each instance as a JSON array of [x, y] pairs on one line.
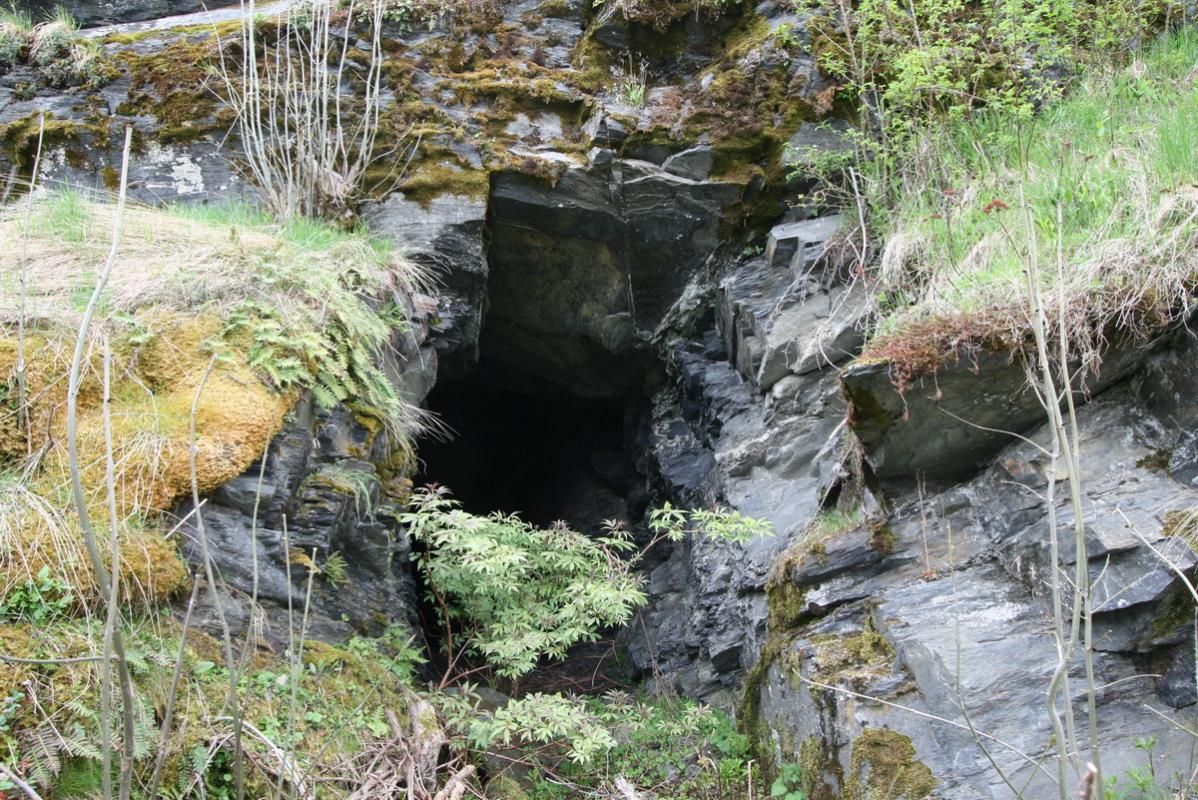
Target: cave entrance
[[521, 444]]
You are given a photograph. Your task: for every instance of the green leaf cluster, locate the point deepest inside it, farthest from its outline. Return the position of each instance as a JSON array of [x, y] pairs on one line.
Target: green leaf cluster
[[517, 592], [39, 600], [906, 61], [786, 785]]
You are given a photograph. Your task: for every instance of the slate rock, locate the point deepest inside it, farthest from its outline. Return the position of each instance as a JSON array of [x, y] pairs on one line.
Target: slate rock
[[694, 163]]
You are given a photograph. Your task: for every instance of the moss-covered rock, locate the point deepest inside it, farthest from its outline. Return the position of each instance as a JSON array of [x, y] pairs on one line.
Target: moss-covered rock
[[883, 766]]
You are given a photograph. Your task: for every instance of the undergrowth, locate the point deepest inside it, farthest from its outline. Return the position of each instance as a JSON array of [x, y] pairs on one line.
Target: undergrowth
[[53, 47]]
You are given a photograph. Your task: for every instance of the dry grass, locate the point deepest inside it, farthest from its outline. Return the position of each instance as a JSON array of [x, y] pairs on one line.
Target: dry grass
[[184, 259]]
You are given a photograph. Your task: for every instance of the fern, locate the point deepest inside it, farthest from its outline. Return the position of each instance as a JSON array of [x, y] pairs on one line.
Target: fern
[[334, 569], [328, 348], [42, 748], [83, 743]]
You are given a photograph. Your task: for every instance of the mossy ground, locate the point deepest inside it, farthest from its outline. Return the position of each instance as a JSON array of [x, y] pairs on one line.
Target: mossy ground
[[329, 704]]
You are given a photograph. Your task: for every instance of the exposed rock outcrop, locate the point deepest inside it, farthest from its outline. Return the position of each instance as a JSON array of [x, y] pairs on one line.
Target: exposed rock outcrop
[[599, 247]]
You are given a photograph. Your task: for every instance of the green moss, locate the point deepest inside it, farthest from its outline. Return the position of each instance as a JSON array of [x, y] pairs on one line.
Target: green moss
[[817, 764], [883, 767], [592, 63], [470, 87], [554, 8], [431, 180], [852, 657], [19, 139], [786, 604], [111, 178], [169, 85], [1174, 616], [1157, 460], [221, 30], [881, 538], [748, 714], [505, 787]]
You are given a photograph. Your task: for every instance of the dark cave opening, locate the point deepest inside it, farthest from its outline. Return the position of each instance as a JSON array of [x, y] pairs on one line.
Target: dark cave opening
[[520, 444]]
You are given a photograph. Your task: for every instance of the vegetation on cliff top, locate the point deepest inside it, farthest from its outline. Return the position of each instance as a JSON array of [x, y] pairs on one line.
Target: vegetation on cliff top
[[1107, 177]]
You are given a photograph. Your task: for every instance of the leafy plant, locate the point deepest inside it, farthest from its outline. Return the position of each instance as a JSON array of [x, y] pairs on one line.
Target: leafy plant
[[680, 748], [15, 28], [40, 600], [518, 593], [513, 593], [395, 651], [635, 82], [787, 785], [334, 569], [332, 350]]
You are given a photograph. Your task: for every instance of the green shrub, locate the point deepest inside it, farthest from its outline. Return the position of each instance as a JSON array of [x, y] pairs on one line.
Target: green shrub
[[906, 61], [518, 593], [514, 593], [680, 748]]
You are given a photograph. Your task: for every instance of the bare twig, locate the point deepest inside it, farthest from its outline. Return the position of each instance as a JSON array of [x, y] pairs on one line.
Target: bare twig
[[23, 421], [176, 677], [231, 700], [12, 777], [89, 535]]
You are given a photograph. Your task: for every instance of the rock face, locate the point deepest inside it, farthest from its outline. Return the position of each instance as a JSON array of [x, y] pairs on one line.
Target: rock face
[[584, 271], [956, 592], [949, 425], [89, 13], [313, 525], [580, 241]]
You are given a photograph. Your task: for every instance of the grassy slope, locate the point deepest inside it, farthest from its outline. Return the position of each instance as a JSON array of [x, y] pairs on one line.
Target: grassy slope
[[194, 289], [1100, 185], [211, 298]]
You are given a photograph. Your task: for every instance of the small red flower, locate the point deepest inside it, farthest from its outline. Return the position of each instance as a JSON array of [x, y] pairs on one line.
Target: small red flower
[[994, 205]]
